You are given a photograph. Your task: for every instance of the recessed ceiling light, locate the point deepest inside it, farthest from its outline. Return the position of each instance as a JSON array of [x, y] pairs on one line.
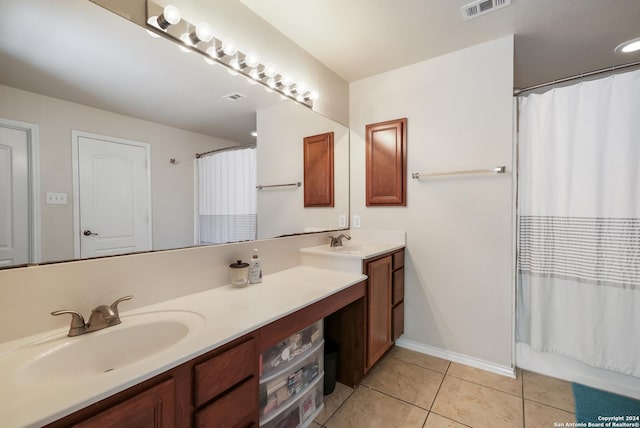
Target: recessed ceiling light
[[629, 46]]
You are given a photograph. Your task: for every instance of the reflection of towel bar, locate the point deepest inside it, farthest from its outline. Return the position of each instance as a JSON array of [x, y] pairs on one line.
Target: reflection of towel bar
[[496, 170], [260, 186]]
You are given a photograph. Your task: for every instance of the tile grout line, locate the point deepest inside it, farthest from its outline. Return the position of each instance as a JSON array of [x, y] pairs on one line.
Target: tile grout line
[[486, 386], [549, 405], [396, 398], [339, 407], [452, 420], [422, 367]]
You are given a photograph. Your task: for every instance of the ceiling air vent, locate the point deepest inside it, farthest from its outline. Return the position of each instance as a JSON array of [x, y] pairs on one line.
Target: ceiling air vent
[[233, 97], [481, 7]]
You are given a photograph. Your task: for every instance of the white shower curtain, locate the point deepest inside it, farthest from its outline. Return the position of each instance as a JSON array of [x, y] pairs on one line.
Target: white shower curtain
[[227, 196], [579, 222]]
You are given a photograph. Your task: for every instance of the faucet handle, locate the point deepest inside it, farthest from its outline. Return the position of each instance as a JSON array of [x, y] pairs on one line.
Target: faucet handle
[[77, 322], [114, 305]]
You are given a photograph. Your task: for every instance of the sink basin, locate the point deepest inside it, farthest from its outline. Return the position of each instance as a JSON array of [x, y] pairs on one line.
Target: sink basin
[[353, 250], [65, 359]]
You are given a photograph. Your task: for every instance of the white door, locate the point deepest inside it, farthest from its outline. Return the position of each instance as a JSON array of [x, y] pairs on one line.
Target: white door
[[113, 203], [14, 196]]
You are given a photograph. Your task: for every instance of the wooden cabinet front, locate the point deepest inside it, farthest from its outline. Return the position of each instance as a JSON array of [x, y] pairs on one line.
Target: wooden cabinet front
[[379, 338], [385, 304], [386, 163], [153, 408], [318, 170]]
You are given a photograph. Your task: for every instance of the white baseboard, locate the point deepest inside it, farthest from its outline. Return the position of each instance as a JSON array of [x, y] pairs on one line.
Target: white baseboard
[[456, 357], [575, 371]]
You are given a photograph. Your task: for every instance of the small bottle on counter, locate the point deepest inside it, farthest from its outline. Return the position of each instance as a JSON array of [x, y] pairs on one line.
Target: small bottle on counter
[[255, 269]]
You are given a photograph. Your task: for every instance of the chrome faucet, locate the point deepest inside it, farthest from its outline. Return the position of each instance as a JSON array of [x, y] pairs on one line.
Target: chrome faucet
[[101, 317], [337, 241]]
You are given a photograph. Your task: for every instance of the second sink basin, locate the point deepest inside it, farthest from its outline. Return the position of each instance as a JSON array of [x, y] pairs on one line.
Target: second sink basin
[[140, 336]]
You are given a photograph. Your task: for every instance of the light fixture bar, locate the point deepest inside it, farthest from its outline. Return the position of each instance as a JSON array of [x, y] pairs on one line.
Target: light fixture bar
[[200, 39]]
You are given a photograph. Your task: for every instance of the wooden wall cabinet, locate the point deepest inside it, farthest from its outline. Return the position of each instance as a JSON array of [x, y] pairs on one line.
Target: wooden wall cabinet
[[318, 170], [385, 304], [386, 163]]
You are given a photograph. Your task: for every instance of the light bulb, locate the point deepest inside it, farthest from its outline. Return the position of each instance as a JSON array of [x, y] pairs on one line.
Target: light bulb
[[234, 63], [186, 39], [271, 82], [301, 88], [254, 134], [203, 31], [287, 80], [314, 95], [229, 47], [269, 70], [170, 16], [251, 60]]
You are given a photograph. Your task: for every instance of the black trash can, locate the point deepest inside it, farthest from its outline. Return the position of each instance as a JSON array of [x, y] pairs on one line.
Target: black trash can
[[330, 366]]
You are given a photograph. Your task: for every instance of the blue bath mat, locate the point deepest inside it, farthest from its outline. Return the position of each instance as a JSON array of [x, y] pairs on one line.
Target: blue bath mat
[[596, 406]]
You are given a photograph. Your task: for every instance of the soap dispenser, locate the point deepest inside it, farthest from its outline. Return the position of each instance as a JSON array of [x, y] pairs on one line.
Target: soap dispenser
[[255, 269]]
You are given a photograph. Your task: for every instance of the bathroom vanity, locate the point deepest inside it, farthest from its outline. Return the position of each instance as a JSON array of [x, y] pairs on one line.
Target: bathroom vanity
[[195, 360]]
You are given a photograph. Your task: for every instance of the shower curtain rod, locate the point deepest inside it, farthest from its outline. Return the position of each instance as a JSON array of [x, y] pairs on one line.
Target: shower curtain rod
[[614, 68], [226, 149]]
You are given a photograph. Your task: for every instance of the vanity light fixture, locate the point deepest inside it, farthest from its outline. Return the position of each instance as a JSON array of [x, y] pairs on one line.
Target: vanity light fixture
[[629, 46], [167, 22]]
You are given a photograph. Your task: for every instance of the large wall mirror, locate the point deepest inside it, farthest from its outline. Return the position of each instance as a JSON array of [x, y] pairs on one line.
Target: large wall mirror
[[85, 93]]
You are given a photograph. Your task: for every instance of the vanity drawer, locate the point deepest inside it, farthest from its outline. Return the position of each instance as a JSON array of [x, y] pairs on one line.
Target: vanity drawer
[[234, 409], [398, 285], [398, 259], [225, 370]]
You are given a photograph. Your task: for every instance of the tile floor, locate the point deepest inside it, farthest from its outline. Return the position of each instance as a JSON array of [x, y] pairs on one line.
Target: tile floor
[[407, 389]]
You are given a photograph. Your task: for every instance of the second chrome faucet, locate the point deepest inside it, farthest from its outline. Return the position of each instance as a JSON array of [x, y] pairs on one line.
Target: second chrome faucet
[[101, 317]]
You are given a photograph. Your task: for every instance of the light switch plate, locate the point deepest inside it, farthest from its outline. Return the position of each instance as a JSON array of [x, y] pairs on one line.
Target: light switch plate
[[56, 198], [342, 220], [356, 221]]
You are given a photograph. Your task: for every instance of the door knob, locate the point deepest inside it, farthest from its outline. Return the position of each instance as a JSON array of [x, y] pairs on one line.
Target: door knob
[[88, 233]]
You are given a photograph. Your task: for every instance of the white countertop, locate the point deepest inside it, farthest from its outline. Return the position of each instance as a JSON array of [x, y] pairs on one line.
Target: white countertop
[[218, 316]]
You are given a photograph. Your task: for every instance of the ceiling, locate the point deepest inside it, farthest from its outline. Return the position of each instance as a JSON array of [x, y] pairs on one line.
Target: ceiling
[[360, 38]]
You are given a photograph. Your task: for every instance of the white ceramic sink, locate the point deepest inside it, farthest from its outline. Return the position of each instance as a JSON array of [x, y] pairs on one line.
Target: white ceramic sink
[[59, 358], [356, 250]]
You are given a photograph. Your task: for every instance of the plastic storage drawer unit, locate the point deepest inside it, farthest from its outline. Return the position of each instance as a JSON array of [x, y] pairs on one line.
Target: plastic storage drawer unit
[[293, 348], [284, 386], [302, 411]]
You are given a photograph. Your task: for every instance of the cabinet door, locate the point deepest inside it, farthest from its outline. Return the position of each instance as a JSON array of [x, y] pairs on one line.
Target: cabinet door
[[318, 170], [386, 163], [378, 309], [152, 408]]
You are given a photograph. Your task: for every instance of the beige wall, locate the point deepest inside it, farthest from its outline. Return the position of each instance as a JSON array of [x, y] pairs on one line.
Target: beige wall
[[280, 160], [172, 185], [29, 294], [459, 280], [231, 18]]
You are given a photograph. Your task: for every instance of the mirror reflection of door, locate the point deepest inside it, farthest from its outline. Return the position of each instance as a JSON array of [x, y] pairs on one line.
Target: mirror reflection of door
[[17, 217], [112, 199]]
